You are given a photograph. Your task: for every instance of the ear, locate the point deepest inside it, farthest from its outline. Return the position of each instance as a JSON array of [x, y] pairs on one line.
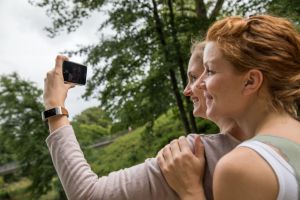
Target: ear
[[253, 81]]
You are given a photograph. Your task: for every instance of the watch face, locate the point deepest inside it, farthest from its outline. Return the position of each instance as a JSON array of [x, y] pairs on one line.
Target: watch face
[[49, 113]]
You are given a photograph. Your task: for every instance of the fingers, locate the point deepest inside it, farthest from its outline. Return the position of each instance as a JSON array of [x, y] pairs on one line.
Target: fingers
[[183, 144], [162, 161], [167, 154], [59, 62], [199, 147], [174, 148]]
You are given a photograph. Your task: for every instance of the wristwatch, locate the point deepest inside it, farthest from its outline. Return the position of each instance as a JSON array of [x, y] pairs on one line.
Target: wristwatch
[[59, 110]]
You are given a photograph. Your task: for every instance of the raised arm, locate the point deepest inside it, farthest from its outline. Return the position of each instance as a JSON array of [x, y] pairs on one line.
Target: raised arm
[[143, 181]]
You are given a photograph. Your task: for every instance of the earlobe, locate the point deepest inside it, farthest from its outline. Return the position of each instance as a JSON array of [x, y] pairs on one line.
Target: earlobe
[[253, 81]]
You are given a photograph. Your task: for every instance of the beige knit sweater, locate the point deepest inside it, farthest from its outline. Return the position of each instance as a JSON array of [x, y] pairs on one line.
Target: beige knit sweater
[[141, 182]]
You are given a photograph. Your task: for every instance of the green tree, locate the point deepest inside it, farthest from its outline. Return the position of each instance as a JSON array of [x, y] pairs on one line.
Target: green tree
[[23, 132], [286, 8], [6, 155]]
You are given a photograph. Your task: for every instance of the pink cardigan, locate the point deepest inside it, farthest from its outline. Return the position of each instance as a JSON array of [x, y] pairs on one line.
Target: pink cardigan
[[141, 182]]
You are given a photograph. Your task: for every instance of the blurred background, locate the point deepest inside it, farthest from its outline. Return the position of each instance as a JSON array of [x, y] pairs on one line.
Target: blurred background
[[137, 53]]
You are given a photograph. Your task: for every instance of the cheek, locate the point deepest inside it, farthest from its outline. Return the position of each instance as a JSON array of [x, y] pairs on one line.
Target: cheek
[[213, 85]]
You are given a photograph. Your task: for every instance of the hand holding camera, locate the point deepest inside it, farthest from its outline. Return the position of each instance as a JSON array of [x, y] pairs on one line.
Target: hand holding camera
[[64, 76]]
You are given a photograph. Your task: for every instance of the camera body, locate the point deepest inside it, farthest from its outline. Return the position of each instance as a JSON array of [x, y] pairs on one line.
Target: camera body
[[74, 73]]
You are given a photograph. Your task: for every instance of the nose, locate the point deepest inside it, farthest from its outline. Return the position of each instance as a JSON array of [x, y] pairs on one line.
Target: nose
[[199, 84], [202, 76], [187, 90], [201, 81]]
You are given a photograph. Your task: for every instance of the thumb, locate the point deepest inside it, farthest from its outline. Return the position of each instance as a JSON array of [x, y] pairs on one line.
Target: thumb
[[70, 85], [59, 63], [199, 147]]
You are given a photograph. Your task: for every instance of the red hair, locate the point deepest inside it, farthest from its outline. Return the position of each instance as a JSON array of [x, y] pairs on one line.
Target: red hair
[[270, 44]]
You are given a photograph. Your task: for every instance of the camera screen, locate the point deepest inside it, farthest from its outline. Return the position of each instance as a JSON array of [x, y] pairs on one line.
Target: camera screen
[[74, 73]]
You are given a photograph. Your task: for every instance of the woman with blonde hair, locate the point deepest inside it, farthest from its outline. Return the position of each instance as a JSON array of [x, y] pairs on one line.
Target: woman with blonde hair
[[252, 76]]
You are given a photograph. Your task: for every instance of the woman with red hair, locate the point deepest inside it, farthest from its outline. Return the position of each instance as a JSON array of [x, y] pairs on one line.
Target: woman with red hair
[[252, 76]]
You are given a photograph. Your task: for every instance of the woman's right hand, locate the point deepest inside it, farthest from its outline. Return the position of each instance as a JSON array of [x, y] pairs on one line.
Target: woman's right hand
[[182, 169], [55, 90]]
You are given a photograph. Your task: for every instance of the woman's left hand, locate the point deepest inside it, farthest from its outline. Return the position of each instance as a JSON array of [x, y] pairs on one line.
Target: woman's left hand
[[182, 169]]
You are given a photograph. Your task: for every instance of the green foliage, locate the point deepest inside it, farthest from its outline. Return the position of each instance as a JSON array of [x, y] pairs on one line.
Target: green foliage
[[6, 153], [22, 131], [67, 16], [136, 146], [286, 8], [1, 181], [244, 8], [90, 125], [140, 144], [166, 128], [207, 127]]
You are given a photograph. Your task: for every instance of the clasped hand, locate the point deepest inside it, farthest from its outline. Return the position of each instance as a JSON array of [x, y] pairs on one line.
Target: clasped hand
[[183, 169]]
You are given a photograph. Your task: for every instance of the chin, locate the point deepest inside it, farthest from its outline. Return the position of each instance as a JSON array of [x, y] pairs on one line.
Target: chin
[[199, 113], [209, 114]]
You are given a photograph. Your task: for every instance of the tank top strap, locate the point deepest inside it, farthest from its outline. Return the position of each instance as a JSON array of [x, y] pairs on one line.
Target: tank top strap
[[287, 148]]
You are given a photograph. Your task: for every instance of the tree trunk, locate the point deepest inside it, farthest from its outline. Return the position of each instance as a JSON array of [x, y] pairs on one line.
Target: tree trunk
[[181, 65], [159, 29], [200, 9], [216, 10], [183, 116]]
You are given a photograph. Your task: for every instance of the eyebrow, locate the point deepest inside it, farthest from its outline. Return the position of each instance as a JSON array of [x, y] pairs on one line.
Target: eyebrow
[[211, 62], [205, 65]]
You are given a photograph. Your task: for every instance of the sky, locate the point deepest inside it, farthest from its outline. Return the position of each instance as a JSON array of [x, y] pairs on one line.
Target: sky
[[26, 49]]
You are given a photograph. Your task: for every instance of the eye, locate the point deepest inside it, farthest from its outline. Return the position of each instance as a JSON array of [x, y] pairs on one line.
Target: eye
[[193, 78], [209, 72]]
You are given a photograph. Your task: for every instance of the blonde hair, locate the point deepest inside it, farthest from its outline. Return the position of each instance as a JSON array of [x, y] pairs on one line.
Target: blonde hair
[[197, 49], [270, 44]]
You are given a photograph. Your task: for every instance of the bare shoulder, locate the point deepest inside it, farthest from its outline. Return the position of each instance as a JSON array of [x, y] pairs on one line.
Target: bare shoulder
[[243, 174]]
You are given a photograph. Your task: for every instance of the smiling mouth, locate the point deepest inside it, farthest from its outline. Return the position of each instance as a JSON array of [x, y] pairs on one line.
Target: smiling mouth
[[208, 96], [194, 100]]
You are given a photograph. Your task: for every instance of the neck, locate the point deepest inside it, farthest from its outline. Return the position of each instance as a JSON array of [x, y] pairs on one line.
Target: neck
[[254, 115], [229, 126], [280, 124], [271, 122]]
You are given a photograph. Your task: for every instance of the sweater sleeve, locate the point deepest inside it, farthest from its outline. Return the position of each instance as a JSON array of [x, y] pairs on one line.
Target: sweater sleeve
[[144, 181]]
